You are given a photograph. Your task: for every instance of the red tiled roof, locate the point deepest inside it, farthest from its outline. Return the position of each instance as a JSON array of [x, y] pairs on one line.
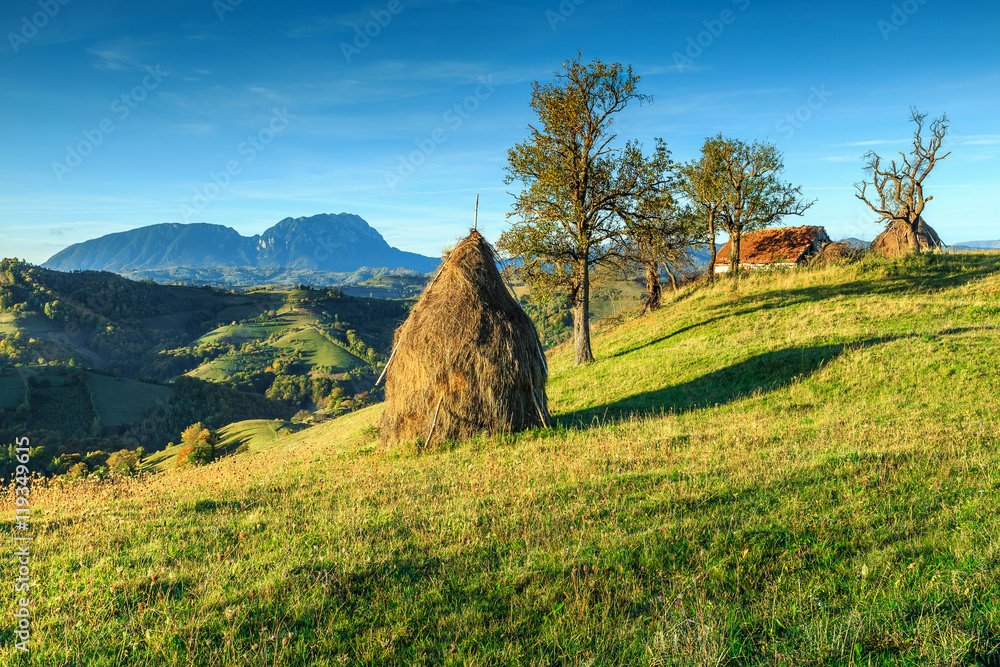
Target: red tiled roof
[[769, 246]]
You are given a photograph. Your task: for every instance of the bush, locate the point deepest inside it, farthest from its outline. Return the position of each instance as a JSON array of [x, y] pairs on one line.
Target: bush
[[196, 455], [199, 446], [123, 463], [78, 471]]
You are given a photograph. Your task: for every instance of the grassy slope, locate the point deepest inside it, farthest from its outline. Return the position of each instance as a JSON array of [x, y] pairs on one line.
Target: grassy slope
[[318, 351], [120, 401], [800, 470], [257, 434], [11, 391]]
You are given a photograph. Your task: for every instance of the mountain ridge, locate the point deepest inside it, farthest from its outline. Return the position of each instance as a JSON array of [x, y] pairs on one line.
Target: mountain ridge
[[339, 243]]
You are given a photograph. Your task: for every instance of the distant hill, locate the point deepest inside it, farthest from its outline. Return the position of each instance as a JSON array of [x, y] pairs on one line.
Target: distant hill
[[979, 245], [327, 243], [853, 242]]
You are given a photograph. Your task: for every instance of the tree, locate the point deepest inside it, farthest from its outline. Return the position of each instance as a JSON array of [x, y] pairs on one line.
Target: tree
[[199, 445], [701, 182], [900, 188], [752, 195], [580, 189], [661, 236]]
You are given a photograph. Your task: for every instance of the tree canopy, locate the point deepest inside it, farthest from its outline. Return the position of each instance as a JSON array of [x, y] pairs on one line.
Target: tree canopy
[[580, 186]]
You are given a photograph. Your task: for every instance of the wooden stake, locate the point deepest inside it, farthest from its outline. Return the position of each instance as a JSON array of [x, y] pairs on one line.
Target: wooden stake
[[435, 422], [476, 223], [387, 364], [542, 413]]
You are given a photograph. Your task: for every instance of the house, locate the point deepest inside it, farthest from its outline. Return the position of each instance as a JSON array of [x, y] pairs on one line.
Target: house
[[783, 246]]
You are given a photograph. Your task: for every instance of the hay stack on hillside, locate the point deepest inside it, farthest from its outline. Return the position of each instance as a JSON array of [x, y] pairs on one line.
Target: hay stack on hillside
[[895, 240], [833, 253], [468, 358]]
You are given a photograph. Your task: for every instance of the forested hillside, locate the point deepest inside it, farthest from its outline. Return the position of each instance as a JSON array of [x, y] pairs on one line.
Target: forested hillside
[[202, 355]]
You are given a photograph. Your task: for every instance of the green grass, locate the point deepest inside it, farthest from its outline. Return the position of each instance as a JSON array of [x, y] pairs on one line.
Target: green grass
[[318, 351], [793, 469], [257, 434], [8, 323], [120, 401], [11, 391]]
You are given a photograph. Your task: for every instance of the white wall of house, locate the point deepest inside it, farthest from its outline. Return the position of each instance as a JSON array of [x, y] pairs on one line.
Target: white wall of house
[[722, 268]]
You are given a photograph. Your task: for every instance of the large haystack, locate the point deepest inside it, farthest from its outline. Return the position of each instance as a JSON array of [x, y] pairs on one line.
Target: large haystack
[[895, 240], [468, 358]]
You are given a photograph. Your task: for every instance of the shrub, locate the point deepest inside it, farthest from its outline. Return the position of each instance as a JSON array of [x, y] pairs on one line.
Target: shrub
[[123, 463], [78, 471]]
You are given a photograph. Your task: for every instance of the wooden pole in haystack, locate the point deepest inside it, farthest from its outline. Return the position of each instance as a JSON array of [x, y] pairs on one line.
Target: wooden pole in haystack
[[475, 224], [434, 423]]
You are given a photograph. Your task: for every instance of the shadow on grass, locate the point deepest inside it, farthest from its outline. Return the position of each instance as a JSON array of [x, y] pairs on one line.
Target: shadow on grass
[[924, 273], [764, 372]]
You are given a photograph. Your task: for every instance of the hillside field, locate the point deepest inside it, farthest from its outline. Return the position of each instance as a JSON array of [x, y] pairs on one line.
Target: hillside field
[[120, 401], [790, 468]]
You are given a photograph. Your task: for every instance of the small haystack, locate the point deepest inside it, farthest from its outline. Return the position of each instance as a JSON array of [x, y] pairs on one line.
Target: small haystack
[[895, 240], [467, 359], [833, 253]]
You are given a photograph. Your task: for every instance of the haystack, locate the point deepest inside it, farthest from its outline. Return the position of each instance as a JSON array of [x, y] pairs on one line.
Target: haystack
[[895, 240], [467, 359], [833, 253]]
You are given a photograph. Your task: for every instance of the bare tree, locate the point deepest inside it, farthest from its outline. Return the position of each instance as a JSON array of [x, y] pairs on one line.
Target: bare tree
[[900, 187]]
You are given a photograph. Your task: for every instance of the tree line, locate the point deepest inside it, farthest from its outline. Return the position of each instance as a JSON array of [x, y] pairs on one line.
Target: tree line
[[589, 201]]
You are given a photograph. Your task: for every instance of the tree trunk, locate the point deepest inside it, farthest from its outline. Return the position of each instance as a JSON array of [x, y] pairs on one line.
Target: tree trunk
[[673, 278], [734, 253], [912, 240], [711, 246], [581, 317], [653, 290]]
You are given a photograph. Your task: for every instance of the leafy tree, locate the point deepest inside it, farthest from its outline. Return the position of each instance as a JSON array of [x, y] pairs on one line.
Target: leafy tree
[[661, 237], [123, 462], [753, 197], [701, 183], [579, 188], [199, 445], [900, 188]]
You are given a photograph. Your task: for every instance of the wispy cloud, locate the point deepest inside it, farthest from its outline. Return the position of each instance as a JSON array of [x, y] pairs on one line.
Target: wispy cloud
[[123, 55]]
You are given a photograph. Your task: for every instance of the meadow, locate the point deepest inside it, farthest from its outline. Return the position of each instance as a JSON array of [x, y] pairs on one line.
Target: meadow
[[786, 468]]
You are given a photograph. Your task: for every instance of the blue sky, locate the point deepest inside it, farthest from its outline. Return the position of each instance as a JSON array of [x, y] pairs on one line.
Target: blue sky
[[117, 115]]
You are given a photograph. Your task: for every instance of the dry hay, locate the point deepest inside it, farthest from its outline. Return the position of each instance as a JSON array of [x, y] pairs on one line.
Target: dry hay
[[895, 240], [467, 359]]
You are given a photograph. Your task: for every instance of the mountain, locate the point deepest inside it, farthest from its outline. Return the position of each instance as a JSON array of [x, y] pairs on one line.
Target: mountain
[[980, 245], [334, 243], [853, 242]]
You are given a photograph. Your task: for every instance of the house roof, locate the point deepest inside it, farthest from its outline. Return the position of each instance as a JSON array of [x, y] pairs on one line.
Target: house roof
[[770, 246]]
